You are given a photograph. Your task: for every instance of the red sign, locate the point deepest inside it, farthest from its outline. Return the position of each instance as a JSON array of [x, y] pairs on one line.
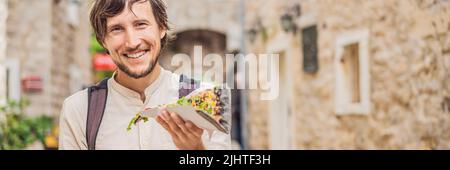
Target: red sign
[[32, 84], [103, 62]]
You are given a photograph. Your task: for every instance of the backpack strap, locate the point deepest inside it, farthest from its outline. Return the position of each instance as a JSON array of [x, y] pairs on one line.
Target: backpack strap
[[97, 96], [187, 86]]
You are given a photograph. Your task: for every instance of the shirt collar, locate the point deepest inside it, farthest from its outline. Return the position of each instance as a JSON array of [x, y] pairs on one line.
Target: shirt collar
[[149, 91]]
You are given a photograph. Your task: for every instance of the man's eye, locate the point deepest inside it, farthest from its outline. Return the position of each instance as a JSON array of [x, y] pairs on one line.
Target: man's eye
[[141, 25], [116, 30]]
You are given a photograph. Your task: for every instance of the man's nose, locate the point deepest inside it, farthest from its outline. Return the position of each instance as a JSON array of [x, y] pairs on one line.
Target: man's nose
[[132, 40]]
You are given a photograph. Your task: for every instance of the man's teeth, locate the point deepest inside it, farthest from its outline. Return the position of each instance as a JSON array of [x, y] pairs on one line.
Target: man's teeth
[[136, 55]]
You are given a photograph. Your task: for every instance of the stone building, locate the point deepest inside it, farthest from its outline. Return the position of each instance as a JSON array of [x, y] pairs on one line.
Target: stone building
[[353, 74], [3, 15], [48, 43]]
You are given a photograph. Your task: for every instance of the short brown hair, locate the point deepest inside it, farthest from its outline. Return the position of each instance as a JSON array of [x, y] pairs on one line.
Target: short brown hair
[[104, 9]]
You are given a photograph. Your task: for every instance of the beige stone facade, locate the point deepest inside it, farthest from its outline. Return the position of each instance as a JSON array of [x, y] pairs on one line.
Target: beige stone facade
[[72, 63], [217, 15], [402, 71], [3, 15], [407, 49], [29, 44], [50, 41]]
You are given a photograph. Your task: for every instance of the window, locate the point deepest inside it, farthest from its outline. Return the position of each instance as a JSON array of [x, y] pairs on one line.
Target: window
[[2, 85], [7, 83], [13, 85], [352, 73], [309, 41], [446, 104], [72, 12], [350, 61]]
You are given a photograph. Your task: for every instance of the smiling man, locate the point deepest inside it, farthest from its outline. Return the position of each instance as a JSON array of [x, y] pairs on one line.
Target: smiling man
[[134, 32]]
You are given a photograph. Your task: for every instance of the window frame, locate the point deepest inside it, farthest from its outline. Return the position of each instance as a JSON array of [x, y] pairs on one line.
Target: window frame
[[343, 106], [14, 86]]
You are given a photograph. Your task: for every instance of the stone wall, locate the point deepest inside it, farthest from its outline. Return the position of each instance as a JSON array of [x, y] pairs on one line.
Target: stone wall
[[409, 45], [29, 42], [217, 15], [3, 15], [51, 40], [71, 68]]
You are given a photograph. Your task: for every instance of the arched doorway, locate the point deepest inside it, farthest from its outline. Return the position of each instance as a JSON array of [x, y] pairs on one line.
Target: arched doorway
[[185, 41]]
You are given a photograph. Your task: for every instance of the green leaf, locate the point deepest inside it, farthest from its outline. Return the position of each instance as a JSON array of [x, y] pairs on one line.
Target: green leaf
[[183, 101], [18, 131], [131, 123]]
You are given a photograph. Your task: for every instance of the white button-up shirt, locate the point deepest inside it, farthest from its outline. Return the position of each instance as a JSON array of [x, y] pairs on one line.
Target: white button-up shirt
[[121, 106]]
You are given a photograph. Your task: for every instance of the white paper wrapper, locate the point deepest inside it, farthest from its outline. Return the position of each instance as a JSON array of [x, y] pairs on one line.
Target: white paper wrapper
[[189, 113], [200, 119]]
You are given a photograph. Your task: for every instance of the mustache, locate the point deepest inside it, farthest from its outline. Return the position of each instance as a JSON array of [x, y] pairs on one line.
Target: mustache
[[135, 49]]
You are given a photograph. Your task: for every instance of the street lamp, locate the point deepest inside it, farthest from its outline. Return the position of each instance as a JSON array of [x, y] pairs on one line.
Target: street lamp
[[256, 28], [287, 22], [288, 18]]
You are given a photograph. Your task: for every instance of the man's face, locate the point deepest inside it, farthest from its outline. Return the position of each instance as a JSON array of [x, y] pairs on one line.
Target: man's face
[[134, 40]]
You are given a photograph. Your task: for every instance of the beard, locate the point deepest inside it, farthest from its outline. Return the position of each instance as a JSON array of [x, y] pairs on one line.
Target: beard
[[146, 72]]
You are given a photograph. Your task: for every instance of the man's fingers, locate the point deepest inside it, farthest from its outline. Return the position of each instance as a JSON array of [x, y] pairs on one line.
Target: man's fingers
[[175, 128], [169, 121], [166, 126], [182, 124], [178, 121], [194, 129], [184, 133]]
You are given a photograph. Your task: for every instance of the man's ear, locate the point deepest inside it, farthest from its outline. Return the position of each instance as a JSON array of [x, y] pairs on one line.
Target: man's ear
[[163, 33]]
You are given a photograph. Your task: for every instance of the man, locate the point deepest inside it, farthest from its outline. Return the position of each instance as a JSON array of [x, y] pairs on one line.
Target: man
[[134, 32]]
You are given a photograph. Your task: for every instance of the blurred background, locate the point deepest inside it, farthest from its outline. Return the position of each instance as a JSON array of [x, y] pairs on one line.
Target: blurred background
[[354, 74]]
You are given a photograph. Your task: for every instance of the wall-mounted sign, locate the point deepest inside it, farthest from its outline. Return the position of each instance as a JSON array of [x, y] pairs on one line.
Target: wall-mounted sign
[[32, 84], [103, 62]]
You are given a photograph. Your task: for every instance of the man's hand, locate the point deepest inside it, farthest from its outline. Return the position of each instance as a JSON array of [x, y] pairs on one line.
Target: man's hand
[[184, 134]]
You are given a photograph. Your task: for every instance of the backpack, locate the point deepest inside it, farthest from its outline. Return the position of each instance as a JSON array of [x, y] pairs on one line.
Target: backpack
[[97, 96]]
